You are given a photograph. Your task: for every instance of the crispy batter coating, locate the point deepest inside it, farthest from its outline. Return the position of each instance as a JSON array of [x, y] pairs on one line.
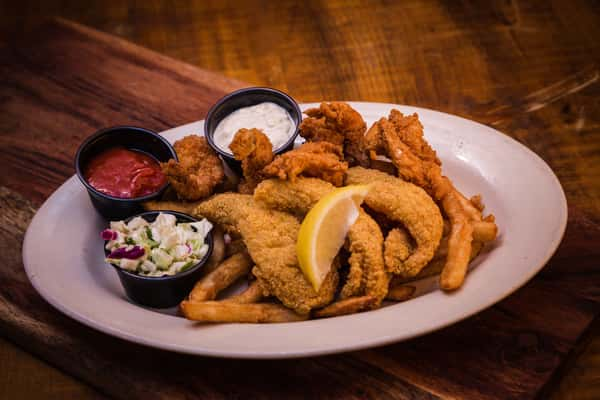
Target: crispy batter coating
[[365, 240], [435, 266], [401, 139], [315, 129], [398, 247], [319, 160], [372, 142], [403, 142], [254, 149], [292, 197], [331, 122], [407, 204], [336, 123], [198, 171], [410, 131], [270, 237], [400, 292], [347, 306]]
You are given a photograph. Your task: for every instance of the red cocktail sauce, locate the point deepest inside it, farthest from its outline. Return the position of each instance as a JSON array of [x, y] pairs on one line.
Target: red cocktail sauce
[[124, 173]]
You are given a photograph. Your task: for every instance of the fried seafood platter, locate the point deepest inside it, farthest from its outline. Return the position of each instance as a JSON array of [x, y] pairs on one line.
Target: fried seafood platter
[[343, 223]]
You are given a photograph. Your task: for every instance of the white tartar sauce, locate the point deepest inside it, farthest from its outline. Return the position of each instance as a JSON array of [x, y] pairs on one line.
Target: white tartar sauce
[[272, 119]]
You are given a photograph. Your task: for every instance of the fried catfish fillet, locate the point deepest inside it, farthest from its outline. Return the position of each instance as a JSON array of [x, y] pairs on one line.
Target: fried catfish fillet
[[407, 204], [270, 238], [198, 171], [367, 274]]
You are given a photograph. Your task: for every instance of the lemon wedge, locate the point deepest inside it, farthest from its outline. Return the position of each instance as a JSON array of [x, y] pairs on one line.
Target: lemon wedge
[[324, 230]]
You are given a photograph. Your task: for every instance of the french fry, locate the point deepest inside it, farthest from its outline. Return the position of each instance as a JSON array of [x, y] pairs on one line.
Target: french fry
[[180, 206], [235, 246], [229, 311], [253, 294], [446, 230], [383, 166], [476, 247], [400, 292], [350, 305], [468, 208], [484, 231], [459, 254], [477, 202], [442, 250], [435, 266], [224, 275], [459, 210], [467, 228], [218, 253]]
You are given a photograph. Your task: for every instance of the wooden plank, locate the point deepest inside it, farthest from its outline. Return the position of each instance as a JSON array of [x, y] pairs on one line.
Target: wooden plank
[[75, 81], [509, 351], [29, 377]]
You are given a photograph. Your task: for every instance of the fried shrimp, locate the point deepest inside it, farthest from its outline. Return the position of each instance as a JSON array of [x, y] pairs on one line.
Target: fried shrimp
[[365, 241], [338, 123], [270, 238], [198, 171], [319, 160], [407, 204], [254, 149]]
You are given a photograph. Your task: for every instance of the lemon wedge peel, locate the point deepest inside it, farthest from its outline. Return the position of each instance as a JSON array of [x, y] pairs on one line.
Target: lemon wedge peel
[[324, 229]]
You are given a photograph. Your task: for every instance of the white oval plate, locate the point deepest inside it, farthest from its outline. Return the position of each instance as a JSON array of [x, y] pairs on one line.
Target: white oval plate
[[63, 256]]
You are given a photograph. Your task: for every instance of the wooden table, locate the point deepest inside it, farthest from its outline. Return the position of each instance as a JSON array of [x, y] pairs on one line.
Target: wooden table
[[529, 70]]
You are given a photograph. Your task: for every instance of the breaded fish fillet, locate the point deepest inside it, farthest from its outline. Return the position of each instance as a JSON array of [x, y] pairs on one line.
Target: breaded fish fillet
[[397, 246], [365, 240], [270, 237], [408, 204], [366, 254]]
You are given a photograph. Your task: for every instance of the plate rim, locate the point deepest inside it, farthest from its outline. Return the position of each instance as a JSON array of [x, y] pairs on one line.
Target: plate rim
[[368, 342]]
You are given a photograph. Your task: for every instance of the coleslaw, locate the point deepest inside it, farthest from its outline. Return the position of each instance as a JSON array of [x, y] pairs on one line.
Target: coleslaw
[[159, 248]]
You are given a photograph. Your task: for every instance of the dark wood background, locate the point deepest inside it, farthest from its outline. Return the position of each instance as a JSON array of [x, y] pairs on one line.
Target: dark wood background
[[530, 69]]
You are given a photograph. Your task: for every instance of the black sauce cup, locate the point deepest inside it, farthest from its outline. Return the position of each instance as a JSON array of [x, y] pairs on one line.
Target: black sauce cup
[[164, 291], [132, 138], [244, 98]]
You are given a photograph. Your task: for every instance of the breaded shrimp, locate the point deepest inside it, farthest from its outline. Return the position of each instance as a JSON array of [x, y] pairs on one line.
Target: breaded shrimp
[[198, 171], [336, 122], [254, 149], [320, 160]]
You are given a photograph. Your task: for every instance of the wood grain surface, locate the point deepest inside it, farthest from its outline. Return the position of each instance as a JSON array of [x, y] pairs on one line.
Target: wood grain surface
[[530, 70]]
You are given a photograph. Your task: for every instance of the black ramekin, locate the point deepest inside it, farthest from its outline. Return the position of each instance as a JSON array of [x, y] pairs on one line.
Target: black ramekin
[[244, 98], [130, 137], [163, 291]]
